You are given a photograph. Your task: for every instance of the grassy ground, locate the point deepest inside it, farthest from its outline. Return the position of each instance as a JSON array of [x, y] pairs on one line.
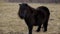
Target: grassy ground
[[10, 23]]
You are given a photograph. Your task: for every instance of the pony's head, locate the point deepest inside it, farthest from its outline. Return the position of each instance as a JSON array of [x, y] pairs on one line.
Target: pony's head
[[22, 10]]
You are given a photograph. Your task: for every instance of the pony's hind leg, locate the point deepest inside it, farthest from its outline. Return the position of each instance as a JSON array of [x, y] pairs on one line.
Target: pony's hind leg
[[39, 27]]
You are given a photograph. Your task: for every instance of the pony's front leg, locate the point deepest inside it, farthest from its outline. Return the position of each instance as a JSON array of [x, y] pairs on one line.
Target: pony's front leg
[[30, 29]]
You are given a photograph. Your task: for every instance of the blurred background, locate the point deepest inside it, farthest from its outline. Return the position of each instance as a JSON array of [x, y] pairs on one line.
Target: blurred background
[[33, 1]]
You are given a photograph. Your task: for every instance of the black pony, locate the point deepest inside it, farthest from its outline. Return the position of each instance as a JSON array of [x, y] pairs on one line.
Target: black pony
[[34, 17]]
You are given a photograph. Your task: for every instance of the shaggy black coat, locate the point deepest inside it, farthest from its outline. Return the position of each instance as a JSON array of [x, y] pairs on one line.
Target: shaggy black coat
[[34, 17]]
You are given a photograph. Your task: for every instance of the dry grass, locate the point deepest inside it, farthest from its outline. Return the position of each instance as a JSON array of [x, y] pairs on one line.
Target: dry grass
[[10, 23]]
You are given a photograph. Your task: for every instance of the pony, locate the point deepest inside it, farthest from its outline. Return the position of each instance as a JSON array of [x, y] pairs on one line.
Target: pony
[[34, 17]]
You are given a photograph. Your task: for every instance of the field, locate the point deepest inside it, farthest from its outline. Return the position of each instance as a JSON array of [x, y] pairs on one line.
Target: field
[[10, 23]]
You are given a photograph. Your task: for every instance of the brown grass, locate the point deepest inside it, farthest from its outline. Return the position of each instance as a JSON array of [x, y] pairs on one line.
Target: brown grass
[[10, 23]]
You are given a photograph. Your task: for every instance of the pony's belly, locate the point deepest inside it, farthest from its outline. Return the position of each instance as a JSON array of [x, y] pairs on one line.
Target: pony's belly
[[36, 24]]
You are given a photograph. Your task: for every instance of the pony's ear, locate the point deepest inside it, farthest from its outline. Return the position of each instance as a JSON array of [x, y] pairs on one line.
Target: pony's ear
[[26, 4], [19, 4]]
